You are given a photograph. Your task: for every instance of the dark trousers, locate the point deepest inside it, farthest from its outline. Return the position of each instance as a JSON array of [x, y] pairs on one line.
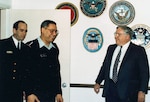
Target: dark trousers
[[45, 96], [114, 97], [11, 97]]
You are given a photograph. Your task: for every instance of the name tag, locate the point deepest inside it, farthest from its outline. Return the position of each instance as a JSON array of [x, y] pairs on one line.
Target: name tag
[[9, 52]]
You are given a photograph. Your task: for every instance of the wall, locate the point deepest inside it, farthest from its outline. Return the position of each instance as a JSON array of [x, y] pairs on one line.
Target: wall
[[5, 4], [85, 65]]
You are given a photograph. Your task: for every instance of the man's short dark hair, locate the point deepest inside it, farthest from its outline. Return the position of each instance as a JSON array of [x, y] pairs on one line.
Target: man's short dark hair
[[46, 23], [15, 26]]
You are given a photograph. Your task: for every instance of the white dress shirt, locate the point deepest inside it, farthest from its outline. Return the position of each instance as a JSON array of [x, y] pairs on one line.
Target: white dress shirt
[[16, 42], [116, 51]]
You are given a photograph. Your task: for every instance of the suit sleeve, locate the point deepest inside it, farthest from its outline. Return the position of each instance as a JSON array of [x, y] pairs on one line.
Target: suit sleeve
[[143, 71], [104, 67]]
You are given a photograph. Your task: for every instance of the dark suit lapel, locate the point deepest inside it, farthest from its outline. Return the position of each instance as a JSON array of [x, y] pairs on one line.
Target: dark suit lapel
[[127, 54], [110, 55]]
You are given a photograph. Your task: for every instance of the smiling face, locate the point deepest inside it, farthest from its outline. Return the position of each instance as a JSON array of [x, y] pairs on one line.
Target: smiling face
[[121, 37], [20, 32], [49, 33]]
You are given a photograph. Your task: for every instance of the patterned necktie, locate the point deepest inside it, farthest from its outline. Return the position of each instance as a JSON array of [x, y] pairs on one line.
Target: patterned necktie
[[115, 76]]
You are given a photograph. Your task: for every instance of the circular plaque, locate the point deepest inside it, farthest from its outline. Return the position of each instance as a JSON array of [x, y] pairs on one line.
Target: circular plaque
[[72, 8], [122, 13], [92, 8], [92, 39], [141, 35]]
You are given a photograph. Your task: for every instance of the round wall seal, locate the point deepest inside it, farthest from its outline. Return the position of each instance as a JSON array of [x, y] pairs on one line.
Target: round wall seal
[[92, 39], [73, 9], [141, 35], [122, 13], [92, 8]]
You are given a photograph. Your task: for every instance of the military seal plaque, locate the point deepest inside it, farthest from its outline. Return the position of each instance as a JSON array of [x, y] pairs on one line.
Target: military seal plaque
[[92, 8], [72, 8], [141, 35], [92, 39], [122, 13]]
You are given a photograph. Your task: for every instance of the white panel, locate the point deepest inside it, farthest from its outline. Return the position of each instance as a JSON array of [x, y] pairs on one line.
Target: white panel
[[5, 4], [34, 18]]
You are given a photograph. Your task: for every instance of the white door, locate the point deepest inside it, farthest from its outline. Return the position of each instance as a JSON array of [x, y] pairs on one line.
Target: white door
[[34, 18]]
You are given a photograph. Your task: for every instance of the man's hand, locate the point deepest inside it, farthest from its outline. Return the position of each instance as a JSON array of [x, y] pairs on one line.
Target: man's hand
[[32, 98], [141, 96], [59, 98], [97, 88]]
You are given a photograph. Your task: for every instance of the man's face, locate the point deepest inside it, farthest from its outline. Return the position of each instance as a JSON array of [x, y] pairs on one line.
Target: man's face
[[121, 37], [49, 34], [21, 32]]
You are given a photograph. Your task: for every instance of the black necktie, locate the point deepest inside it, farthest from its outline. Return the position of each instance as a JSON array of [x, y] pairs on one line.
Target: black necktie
[[115, 76], [19, 46]]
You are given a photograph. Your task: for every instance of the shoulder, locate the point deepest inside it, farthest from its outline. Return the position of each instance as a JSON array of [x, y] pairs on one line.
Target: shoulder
[[136, 46], [6, 41], [32, 43], [55, 45], [137, 49], [112, 46]]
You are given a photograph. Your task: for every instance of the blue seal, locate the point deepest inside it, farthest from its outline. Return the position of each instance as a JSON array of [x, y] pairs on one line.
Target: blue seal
[[141, 35], [92, 8], [92, 39], [122, 13]]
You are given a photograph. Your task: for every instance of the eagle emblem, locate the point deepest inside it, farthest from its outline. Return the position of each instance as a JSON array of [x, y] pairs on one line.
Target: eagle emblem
[[122, 13], [92, 8], [92, 39], [141, 35]]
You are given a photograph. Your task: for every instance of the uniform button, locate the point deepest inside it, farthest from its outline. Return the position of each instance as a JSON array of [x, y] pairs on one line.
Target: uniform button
[[15, 63], [14, 78], [14, 70]]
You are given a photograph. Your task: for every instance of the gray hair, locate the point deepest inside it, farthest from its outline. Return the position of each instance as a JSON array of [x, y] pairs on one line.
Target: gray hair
[[127, 30]]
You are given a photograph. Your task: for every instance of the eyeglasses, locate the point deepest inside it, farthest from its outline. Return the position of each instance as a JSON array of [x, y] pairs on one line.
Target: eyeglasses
[[52, 31]]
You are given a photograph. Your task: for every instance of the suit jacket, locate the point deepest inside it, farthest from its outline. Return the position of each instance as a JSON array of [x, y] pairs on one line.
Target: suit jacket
[[133, 74], [46, 71], [14, 70]]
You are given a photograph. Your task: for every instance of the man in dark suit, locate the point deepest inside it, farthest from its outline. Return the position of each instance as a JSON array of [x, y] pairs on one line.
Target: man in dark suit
[[130, 82], [14, 64], [46, 71]]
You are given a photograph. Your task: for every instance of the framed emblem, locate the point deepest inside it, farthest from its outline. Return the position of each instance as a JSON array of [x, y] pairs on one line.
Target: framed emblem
[[92, 39], [122, 13], [92, 8], [73, 9], [141, 35]]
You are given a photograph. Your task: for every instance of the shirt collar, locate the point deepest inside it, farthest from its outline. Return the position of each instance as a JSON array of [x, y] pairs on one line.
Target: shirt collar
[[126, 45], [15, 40], [41, 44]]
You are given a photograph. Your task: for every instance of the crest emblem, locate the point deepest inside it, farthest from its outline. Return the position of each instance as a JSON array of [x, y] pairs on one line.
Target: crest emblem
[[141, 35], [72, 8], [92, 39], [92, 8], [122, 13]]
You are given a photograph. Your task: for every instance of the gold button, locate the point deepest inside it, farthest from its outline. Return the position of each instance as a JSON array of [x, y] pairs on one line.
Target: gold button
[[14, 78], [14, 70], [15, 63]]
